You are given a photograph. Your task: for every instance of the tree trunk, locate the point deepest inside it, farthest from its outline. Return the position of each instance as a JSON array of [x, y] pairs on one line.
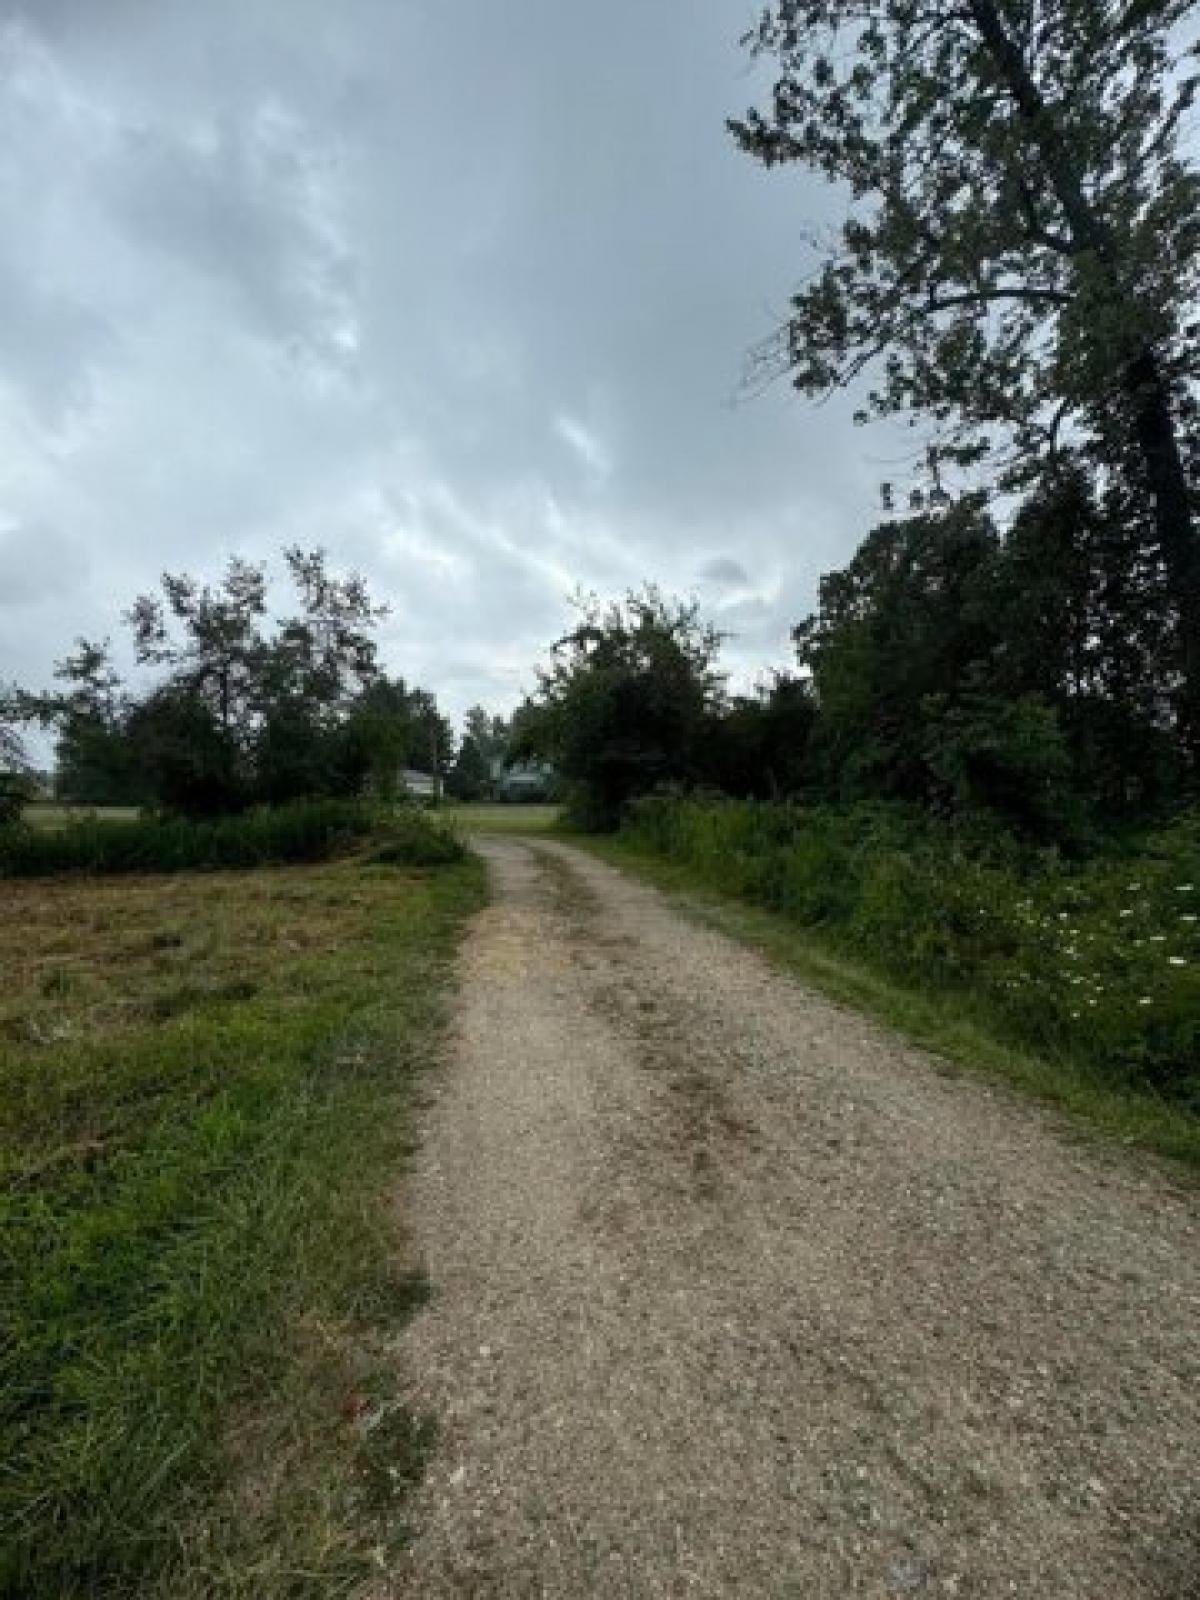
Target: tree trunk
[[1154, 427], [1158, 442]]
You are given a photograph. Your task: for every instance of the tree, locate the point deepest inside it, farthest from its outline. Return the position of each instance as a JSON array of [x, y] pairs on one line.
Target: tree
[[963, 668], [1024, 244], [14, 761], [378, 737], [432, 743], [757, 746], [215, 651], [186, 758], [909, 618], [277, 713], [622, 704], [95, 763], [491, 733], [470, 777], [1082, 614]]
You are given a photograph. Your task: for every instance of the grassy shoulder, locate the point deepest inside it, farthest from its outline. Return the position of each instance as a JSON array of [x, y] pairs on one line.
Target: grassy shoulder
[[204, 1095], [954, 1027]]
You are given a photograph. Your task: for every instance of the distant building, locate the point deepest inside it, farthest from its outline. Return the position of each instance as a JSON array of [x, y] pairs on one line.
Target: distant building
[[420, 785], [524, 780]]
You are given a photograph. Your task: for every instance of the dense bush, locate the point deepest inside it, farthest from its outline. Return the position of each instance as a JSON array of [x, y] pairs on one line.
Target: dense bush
[[1099, 961], [307, 831], [410, 838]]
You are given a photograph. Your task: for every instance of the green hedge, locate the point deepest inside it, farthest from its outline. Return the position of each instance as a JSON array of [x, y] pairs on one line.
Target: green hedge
[[306, 831], [1097, 960]]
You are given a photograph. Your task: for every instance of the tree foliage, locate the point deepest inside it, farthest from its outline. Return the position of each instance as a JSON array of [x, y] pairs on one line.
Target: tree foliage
[[966, 669], [622, 704], [14, 759], [1022, 255], [245, 708]]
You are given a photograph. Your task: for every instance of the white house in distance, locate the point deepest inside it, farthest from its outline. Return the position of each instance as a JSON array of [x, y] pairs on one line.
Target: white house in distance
[[420, 785]]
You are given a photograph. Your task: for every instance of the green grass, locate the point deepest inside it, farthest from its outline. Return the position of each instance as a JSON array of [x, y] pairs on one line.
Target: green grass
[[486, 818], [956, 1027], [51, 814], [205, 1086], [307, 830]]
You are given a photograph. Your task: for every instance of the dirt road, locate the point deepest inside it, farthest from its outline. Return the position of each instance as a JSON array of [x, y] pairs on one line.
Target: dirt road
[[734, 1294]]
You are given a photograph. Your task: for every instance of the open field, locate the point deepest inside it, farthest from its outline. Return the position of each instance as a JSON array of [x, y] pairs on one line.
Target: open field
[[203, 1098], [487, 818]]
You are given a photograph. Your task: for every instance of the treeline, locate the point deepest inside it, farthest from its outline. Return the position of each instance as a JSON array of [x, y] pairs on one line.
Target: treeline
[[974, 783], [239, 708], [1021, 676]]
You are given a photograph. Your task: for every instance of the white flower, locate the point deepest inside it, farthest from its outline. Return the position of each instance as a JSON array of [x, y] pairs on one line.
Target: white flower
[[1158, 938], [1187, 916], [1184, 888], [1127, 912], [1177, 961], [1133, 887], [1145, 1000]]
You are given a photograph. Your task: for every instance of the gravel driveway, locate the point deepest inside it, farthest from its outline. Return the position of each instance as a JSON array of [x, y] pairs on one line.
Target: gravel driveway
[[735, 1294]]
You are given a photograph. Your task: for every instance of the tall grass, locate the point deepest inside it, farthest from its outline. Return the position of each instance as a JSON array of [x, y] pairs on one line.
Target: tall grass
[[1095, 962], [313, 830], [203, 1089]]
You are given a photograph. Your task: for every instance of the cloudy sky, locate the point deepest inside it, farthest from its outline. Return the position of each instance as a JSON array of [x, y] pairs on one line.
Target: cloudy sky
[[460, 291]]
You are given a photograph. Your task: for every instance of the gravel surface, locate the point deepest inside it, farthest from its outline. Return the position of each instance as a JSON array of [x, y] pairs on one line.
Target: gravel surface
[[734, 1294]]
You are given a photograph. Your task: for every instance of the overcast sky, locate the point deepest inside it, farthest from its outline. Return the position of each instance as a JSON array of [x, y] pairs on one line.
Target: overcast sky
[[461, 291]]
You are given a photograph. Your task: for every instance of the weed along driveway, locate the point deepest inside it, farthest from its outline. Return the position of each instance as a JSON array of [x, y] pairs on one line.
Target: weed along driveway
[[735, 1294]]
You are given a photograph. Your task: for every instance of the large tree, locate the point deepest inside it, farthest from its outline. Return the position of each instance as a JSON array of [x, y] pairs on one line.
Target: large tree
[[1022, 254], [623, 703], [89, 711], [246, 708], [14, 760]]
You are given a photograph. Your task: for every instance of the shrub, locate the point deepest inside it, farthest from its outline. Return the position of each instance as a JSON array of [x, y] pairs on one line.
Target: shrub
[[307, 831], [1098, 960], [413, 839]]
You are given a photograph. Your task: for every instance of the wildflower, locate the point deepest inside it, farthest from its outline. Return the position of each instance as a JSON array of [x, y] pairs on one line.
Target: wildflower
[[1158, 938], [1184, 888], [1187, 916], [1145, 1000], [1127, 912], [1177, 961], [1134, 887]]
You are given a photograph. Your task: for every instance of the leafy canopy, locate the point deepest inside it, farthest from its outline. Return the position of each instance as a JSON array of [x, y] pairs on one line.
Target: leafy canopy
[[1022, 226], [621, 706]]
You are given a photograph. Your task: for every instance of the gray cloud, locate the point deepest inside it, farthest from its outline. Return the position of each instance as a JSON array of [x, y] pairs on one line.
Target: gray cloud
[[725, 572], [460, 292]]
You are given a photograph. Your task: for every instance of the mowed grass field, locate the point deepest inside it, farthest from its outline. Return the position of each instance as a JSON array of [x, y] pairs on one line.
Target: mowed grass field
[[490, 818], [49, 814], [205, 1085]]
